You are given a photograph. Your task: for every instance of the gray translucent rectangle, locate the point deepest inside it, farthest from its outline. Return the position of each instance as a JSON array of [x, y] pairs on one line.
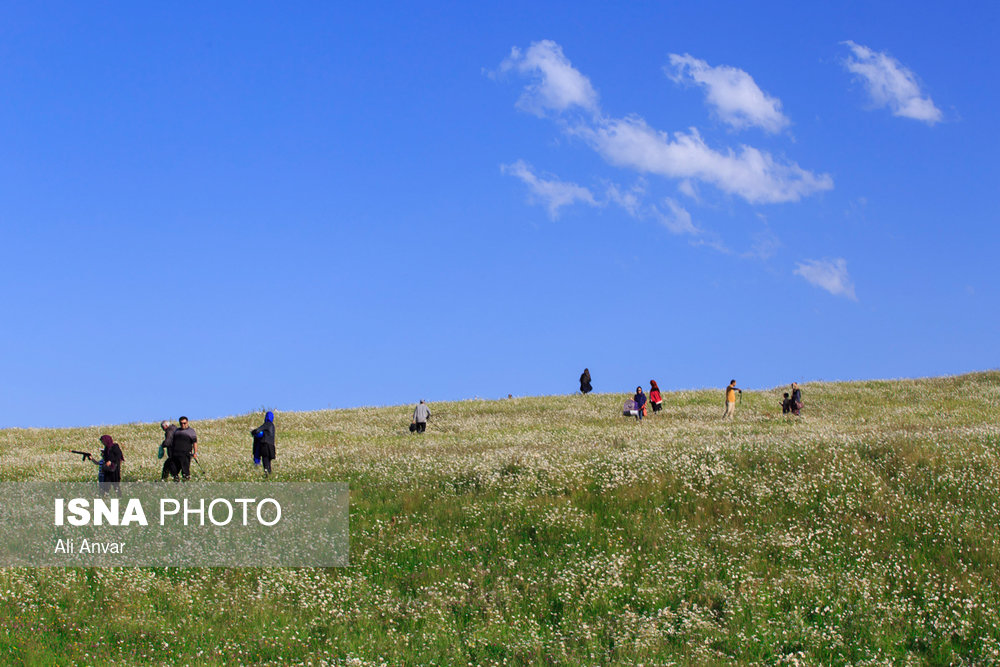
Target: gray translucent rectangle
[[197, 524]]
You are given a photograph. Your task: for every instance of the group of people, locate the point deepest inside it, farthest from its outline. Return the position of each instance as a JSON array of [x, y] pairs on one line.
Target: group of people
[[792, 405], [636, 406], [180, 443], [178, 449]]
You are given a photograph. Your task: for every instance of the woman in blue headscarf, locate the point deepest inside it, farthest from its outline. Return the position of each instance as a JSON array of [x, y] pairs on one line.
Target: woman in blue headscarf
[[263, 443]]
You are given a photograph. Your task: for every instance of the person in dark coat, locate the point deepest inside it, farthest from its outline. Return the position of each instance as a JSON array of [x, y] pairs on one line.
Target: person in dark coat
[[111, 464], [263, 443], [185, 446], [796, 399], [640, 403], [167, 451], [585, 385]]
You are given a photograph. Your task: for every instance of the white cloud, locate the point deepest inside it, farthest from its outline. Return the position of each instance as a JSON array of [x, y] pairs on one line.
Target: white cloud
[[687, 188], [733, 93], [551, 192], [676, 218], [890, 84], [557, 87], [828, 274], [752, 174]]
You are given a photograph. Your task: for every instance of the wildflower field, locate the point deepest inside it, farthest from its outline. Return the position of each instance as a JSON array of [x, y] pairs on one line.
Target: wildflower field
[[552, 530]]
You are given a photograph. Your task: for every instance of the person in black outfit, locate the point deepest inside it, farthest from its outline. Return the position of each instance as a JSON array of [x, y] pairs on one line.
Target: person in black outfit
[[585, 385], [796, 399], [263, 442], [786, 405], [168, 448], [185, 446], [112, 459]]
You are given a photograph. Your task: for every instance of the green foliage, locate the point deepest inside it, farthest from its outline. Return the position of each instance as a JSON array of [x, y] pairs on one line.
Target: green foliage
[[551, 530]]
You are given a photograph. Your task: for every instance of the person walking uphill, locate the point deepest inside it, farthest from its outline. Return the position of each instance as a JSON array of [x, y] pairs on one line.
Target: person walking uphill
[[796, 399], [585, 386], [263, 443], [655, 398], [421, 414], [185, 446], [731, 392]]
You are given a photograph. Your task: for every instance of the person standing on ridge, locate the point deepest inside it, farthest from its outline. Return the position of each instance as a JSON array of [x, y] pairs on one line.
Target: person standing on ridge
[[796, 399], [585, 386], [263, 443], [185, 443], [640, 403], [655, 398], [166, 451], [731, 392], [421, 414]]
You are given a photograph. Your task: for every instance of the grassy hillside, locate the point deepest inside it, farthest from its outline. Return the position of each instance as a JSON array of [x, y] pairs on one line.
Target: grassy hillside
[[550, 530]]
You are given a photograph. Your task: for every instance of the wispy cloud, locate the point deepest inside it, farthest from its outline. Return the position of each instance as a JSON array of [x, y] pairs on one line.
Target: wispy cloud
[[631, 200], [734, 95], [890, 84], [557, 85], [631, 143], [828, 274], [550, 192], [676, 218], [553, 194], [750, 173], [765, 245]]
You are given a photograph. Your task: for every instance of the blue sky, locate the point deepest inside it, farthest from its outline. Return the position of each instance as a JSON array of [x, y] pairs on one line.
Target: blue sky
[[212, 209]]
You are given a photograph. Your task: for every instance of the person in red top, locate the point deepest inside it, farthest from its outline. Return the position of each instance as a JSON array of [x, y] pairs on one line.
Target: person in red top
[[654, 396]]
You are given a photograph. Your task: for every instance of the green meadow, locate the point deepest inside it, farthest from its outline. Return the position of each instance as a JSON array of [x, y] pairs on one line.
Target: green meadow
[[553, 531]]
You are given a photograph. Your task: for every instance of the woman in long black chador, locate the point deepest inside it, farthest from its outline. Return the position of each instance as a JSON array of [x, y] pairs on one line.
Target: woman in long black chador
[[111, 464], [585, 385], [263, 443]]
